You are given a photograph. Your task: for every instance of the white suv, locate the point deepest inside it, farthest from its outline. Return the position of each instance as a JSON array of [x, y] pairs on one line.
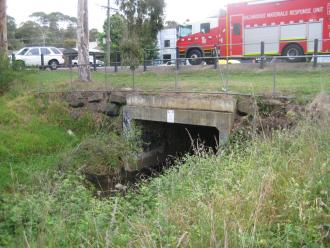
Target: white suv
[[31, 56]]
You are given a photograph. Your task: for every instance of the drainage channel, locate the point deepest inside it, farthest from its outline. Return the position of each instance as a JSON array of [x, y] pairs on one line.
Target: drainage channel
[[163, 144]]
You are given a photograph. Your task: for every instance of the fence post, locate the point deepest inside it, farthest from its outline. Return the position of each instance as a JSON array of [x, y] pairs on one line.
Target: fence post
[[177, 58], [144, 61], [70, 68], [262, 55], [274, 77], [42, 62], [316, 49], [94, 61], [215, 60], [133, 77], [70, 61], [227, 73], [116, 63], [13, 59]]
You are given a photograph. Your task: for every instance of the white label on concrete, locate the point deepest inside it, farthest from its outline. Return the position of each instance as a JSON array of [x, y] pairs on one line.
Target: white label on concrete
[[170, 116]]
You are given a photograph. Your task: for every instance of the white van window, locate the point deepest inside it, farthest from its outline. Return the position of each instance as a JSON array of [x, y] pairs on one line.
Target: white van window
[[55, 50], [44, 51], [33, 52]]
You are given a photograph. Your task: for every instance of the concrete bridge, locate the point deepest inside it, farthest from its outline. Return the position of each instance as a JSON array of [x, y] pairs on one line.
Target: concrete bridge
[[171, 122], [216, 111]]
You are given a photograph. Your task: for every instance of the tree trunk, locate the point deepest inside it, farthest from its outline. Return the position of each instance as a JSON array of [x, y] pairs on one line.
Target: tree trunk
[[83, 41], [3, 27]]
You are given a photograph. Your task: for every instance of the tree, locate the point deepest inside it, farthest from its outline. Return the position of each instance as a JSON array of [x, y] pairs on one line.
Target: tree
[[116, 32], [52, 27], [93, 34], [31, 33], [11, 27], [171, 24], [53, 20], [3, 27], [13, 43], [82, 41], [144, 18]]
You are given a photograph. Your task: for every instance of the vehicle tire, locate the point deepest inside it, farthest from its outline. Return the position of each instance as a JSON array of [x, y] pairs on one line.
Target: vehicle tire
[[75, 65], [293, 50], [53, 64], [193, 57]]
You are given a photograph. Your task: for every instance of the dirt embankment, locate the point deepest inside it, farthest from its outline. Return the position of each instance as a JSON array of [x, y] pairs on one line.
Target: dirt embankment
[[263, 115]]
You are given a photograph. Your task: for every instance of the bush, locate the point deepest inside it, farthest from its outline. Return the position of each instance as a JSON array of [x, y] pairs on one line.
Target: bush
[[105, 153], [7, 74]]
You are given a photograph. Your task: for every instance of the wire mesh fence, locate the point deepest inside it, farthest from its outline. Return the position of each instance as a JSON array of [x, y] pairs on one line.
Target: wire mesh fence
[[262, 74]]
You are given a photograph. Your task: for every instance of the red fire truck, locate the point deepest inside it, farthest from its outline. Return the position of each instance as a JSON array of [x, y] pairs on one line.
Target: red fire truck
[[287, 27]]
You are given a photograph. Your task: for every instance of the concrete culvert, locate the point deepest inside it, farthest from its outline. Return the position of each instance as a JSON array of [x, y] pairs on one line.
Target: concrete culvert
[[167, 140]]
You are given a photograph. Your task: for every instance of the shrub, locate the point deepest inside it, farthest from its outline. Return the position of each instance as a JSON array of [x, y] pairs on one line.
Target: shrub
[[105, 153], [7, 74]]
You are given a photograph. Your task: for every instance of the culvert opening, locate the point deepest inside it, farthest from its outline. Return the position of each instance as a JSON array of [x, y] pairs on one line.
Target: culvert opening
[[165, 142]]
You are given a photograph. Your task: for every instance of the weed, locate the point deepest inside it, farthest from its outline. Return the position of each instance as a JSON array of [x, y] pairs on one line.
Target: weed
[[275, 192]]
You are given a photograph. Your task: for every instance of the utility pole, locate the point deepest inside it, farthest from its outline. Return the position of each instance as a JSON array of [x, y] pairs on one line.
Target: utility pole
[[108, 38], [108, 35], [3, 27], [83, 41]]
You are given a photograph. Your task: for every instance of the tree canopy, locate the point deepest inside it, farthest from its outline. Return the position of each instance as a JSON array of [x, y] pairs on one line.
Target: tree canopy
[[143, 20], [117, 26], [55, 29]]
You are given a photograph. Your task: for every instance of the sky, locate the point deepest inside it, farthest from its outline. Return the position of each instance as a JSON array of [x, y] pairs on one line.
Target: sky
[[178, 10]]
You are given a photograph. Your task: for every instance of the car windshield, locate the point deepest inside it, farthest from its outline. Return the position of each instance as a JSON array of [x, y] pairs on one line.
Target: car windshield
[[23, 51], [185, 30]]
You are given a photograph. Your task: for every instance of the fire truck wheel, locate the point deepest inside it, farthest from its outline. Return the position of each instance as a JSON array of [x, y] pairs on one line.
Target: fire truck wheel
[[193, 56], [293, 50]]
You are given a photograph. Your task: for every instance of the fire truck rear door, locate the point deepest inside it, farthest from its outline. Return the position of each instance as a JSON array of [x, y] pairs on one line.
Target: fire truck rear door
[[236, 35]]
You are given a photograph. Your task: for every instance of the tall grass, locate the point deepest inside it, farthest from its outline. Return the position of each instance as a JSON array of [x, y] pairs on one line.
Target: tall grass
[[34, 132], [267, 193]]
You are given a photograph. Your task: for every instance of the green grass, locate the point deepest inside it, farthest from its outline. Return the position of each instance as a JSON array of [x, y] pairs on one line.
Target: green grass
[[262, 193], [290, 79], [33, 132], [265, 193]]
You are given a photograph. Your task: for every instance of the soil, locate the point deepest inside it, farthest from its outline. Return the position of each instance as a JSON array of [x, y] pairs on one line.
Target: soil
[[272, 114]]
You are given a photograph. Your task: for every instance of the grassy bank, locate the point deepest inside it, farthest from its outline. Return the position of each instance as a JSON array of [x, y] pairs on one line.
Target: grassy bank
[[33, 132], [265, 193], [261, 193]]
